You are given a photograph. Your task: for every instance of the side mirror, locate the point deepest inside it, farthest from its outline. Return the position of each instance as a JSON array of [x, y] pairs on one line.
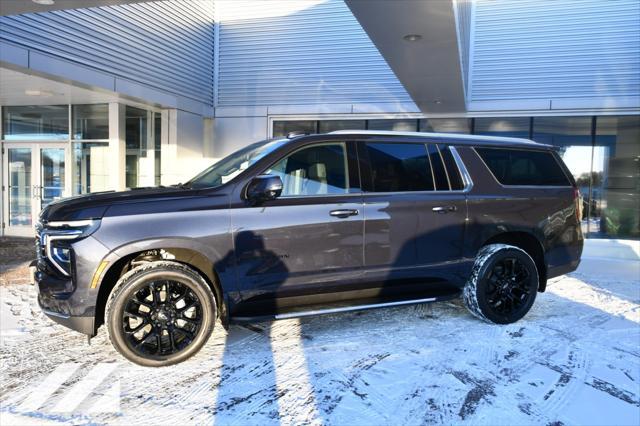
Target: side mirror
[[264, 188]]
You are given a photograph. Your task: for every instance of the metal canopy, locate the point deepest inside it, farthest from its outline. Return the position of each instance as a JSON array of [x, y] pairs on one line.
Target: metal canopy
[[429, 68]]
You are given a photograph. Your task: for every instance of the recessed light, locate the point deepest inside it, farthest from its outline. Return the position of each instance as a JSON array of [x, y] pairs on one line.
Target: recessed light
[[437, 101], [35, 92], [44, 2], [412, 37]]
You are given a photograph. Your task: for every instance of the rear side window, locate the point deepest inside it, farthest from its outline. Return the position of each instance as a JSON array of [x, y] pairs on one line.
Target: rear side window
[[523, 167], [453, 173], [401, 167], [439, 172]]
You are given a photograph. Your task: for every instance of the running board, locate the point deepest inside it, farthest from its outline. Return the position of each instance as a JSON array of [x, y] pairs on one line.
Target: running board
[[340, 309]]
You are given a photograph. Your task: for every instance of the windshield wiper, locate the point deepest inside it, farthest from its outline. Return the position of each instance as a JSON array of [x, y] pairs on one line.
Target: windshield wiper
[[182, 185]]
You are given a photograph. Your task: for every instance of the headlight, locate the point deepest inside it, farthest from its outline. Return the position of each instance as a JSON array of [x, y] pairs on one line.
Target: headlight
[[57, 237]]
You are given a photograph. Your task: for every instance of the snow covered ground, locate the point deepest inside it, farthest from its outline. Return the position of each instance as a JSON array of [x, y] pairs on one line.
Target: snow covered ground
[[575, 359]]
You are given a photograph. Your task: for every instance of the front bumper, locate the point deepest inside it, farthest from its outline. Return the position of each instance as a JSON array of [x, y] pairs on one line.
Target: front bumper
[[56, 303], [70, 300]]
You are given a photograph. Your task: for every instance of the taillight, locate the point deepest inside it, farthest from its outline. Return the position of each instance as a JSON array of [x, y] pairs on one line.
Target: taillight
[[578, 201]]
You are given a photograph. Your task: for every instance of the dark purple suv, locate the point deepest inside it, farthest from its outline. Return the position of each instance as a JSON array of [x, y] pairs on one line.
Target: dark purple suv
[[312, 224]]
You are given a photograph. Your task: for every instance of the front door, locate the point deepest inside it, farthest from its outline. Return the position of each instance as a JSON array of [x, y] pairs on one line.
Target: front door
[[310, 239], [34, 176]]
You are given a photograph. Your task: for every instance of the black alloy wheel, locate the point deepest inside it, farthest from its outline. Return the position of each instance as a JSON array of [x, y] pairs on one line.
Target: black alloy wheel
[[503, 284], [162, 318], [508, 286], [160, 313]]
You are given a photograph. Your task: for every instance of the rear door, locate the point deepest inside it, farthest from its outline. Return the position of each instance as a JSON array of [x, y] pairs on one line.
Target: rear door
[[415, 210], [310, 239]]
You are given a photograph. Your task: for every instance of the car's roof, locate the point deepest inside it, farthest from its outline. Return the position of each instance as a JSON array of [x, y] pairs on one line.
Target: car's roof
[[454, 138]]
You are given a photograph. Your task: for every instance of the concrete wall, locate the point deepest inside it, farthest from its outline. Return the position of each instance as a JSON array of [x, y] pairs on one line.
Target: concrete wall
[[184, 153]]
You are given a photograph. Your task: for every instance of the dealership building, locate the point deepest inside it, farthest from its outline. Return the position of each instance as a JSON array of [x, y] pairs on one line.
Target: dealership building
[[122, 94]]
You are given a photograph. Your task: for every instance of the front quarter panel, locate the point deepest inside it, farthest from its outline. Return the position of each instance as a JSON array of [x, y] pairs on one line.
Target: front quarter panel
[[206, 232]]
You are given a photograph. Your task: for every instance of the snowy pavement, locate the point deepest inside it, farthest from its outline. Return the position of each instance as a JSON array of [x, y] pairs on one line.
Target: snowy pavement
[[574, 359]]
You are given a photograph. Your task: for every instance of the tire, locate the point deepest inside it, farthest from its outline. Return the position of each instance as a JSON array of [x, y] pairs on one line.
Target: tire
[[503, 284], [160, 313]]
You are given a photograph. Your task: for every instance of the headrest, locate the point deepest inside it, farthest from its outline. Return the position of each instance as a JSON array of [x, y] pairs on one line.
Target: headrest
[[317, 171]]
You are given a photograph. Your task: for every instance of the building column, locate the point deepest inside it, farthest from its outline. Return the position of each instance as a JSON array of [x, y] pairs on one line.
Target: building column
[[117, 146], [146, 161]]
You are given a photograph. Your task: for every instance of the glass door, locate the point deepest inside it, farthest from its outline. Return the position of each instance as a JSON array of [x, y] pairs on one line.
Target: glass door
[[51, 184], [18, 197], [35, 175]]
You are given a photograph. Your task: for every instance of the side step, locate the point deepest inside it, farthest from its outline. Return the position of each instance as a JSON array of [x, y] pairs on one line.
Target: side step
[[363, 305]]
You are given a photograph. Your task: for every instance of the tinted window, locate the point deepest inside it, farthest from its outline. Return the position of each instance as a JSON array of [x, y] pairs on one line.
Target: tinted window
[[523, 167], [399, 167], [317, 170], [439, 173], [452, 168]]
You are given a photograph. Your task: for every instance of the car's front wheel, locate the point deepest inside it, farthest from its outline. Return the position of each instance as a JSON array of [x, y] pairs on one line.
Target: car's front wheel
[[503, 284], [160, 313]]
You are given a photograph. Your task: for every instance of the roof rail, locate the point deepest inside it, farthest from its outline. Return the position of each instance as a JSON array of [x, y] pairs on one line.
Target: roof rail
[[458, 136], [296, 133]]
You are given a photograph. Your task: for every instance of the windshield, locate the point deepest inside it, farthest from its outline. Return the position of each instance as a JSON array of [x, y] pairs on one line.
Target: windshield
[[234, 164]]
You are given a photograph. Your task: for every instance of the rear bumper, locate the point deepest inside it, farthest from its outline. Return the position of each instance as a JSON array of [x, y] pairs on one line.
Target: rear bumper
[[564, 259], [556, 271]]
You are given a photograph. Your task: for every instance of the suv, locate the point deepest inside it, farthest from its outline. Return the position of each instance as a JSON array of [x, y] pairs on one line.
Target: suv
[[311, 224]]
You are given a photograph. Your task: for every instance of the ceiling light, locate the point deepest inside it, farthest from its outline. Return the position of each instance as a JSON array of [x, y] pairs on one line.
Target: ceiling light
[[412, 37], [44, 2], [33, 92], [437, 101]]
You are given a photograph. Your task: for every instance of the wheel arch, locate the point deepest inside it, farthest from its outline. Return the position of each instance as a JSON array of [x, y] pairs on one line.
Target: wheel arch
[[529, 243], [120, 261]]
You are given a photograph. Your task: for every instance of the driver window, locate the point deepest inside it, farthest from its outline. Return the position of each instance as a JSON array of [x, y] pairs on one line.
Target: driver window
[[316, 170]]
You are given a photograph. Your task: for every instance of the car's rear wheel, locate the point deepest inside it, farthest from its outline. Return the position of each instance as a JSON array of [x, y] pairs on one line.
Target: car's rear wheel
[[160, 313], [503, 284]]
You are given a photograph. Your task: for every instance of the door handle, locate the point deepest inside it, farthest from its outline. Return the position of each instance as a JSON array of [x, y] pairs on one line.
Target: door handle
[[444, 209], [344, 213]]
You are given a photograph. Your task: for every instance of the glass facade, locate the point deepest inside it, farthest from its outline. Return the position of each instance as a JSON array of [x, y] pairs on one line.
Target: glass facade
[[616, 176], [283, 128], [91, 171], [35, 123], [446, 125], [602, 153], [326, 126], [514, 127], [90, 121], [410, 125]]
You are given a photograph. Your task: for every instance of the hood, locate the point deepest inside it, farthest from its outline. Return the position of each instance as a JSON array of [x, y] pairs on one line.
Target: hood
[[100, 204]]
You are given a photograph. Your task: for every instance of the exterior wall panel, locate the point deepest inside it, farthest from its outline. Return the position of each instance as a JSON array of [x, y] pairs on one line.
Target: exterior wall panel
[[532, 49], [167, 45], [299, 52]]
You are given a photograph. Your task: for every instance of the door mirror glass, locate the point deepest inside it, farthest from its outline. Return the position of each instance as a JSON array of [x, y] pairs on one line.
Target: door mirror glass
[[264, 188]]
